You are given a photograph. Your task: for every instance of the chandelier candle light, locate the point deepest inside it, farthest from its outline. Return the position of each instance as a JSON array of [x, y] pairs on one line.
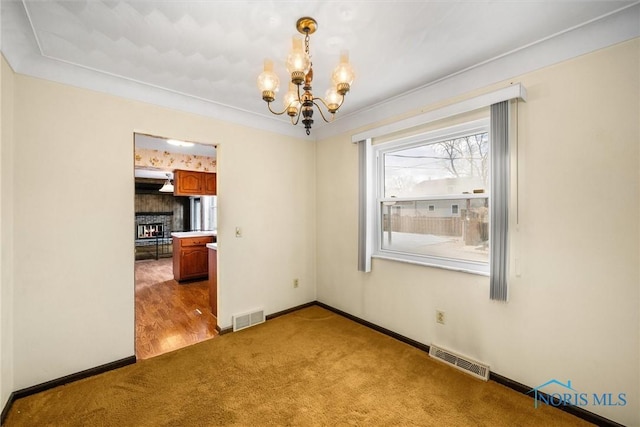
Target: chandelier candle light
[[300, 67]]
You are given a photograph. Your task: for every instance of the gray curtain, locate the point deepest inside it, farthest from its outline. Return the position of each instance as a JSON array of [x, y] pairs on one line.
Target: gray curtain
[[499, 204]]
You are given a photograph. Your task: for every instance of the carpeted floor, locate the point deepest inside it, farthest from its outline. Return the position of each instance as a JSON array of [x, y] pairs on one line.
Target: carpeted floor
[[310, 367]]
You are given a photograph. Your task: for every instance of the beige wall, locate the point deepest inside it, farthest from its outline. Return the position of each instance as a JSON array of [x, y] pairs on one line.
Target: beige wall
[[6, 231], [573, 312], [74, 251]]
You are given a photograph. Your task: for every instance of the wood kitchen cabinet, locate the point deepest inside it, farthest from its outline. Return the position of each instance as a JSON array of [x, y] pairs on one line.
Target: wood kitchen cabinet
[[192, 183], [213, 281], [210, 184], [190, 257]]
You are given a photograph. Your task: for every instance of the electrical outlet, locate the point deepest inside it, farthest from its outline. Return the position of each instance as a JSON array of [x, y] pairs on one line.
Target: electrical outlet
[[440, 317], [296, 283], [238, 232]]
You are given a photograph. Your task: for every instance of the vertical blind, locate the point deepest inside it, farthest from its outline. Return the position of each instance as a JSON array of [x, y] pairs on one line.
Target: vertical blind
[[364, 247], [499, 201]]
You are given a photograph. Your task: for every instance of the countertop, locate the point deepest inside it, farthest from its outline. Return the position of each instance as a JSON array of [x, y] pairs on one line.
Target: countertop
[[183, 234], [213, 246]]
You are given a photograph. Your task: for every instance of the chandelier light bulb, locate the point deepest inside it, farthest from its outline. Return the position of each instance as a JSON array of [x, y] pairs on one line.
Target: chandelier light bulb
[[298, 62], [268, 82], [291, 101], [332, 98], [343, 74]]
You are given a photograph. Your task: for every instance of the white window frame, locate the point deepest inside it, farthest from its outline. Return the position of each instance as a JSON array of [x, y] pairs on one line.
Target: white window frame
[[377, 167], [364, 140]]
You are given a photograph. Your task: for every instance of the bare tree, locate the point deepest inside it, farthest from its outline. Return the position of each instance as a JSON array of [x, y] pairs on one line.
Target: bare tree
[[465, 156], [478, 155], [451, 152]]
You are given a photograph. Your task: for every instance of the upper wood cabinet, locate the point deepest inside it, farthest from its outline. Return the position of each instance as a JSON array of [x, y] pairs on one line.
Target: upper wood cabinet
[[191, 183], [209, 184], [187, 183]]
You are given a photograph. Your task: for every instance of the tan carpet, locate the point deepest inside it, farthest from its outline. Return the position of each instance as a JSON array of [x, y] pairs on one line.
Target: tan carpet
[[310, 367]]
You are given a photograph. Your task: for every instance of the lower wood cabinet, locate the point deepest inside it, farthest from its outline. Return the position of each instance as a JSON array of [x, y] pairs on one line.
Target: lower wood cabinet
[[213, 281], [190, 257]]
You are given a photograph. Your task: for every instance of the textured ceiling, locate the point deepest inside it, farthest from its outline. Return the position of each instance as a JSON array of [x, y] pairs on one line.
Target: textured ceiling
[[214, 50]]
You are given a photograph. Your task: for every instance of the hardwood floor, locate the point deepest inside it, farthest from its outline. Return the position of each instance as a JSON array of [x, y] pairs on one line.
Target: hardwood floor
[[169, 315]]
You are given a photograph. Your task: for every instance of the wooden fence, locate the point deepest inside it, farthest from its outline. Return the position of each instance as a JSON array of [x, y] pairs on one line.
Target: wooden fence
[[473, 231]]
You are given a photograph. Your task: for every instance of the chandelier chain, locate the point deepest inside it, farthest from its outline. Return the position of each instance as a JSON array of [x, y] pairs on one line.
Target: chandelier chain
[[306, 43]]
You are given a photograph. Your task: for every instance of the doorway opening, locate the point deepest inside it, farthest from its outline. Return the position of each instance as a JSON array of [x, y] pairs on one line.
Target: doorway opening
[[171, 311]]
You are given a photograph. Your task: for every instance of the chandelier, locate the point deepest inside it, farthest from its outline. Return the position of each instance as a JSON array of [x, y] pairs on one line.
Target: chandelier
[[299, 66]]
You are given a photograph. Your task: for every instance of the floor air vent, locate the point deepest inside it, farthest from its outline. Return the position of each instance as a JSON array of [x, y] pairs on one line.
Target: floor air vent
[[470, 366], [242, 321]]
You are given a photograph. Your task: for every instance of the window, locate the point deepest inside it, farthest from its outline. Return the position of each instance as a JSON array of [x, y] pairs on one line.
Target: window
[[372, 196], [432, 198]]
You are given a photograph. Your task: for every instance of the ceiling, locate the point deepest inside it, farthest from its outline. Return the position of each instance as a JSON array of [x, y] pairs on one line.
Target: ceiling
[[209, 53]]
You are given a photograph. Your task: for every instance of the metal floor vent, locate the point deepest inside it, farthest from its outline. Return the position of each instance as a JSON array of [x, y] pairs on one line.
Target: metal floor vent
[[242, 321], [463, 363]]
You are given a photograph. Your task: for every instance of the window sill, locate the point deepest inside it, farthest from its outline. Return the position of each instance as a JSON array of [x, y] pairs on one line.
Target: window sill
[[481, 269]]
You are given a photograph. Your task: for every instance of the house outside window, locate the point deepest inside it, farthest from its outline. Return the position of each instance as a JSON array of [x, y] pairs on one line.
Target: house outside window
[[432, 198]]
